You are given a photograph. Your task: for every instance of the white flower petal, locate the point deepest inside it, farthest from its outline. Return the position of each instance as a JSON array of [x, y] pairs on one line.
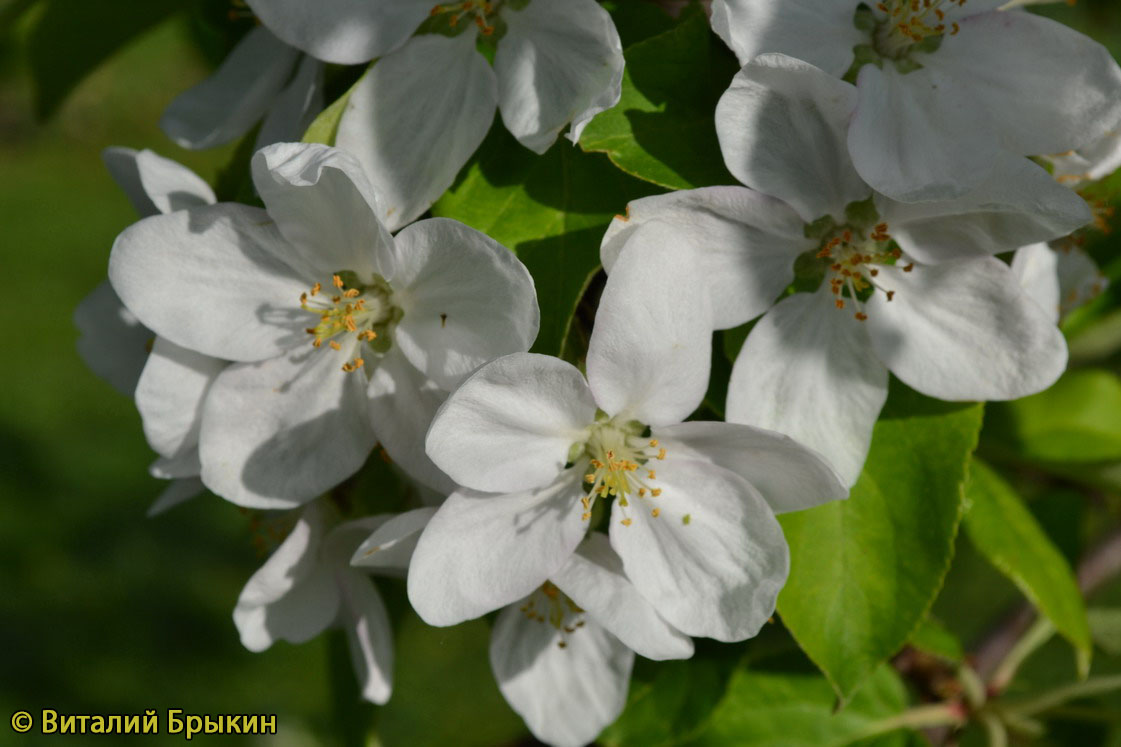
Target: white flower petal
[[113, 342], [296, 107], [1080, 280], [227, 104], [510, 426], [1090, 162], [402, 403], [1046, 87], [345, 32], [179, 491], [121, 164], [1036, 266], [447, 284], [155, 184], [820, 32], [170, 393], [1019, 204], [292, 596], [789, 476], [324, 206], [397, 120], [713, 560], [392, 544], [277, 434], [743, 243], [185, 464], [593, 578], [650, 351], [965, 331], [369, 635], [482, 551], [557, 63], [213, 279], [783, 127], [566, 696], [807, 370], [919, 136]]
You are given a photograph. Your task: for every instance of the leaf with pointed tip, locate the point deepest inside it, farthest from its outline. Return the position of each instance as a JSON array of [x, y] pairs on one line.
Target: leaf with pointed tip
[[865, 571], [1002, 528]]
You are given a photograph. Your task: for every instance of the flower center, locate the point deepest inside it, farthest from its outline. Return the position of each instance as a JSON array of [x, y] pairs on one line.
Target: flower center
[[478, 11], [903, 25], [618, 465], [549, 604], [853, 259], [351, 308]]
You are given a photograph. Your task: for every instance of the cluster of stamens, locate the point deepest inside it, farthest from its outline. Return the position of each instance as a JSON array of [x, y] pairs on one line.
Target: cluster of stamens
[[479, 10], [555, 608], [620, 467], [344, 312], [909, 22], [852, 267]]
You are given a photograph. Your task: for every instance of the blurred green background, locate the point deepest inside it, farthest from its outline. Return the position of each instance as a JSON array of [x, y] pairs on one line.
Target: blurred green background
[[105, 611]]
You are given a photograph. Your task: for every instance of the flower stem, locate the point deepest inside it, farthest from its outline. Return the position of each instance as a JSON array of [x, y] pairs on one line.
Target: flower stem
[[1061, 695]]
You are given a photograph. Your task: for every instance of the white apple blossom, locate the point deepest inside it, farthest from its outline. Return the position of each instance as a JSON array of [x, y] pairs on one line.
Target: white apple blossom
[[340, 334], [167, 381], [537, 448], [563, 655], [935, 310], [308, 585], [944, 88], [555, 64], [262, 80]]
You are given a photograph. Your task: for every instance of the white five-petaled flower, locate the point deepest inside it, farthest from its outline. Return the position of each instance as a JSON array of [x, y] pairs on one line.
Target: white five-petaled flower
[[932, 307], [311, 583], [555, 63], [167, 381], [262, 80], [340, 333], [944, 87], [563, 655], [540, 451]]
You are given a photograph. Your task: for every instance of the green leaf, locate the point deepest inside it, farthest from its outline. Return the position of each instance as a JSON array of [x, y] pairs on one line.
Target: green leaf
[[791, 710], [865, 571], [551, 210], [1002, 528], [663, 129], [933, 638], [637, 21], [71, 38], [1078, 420], [325, 127], [671, 699], [1105, 627]]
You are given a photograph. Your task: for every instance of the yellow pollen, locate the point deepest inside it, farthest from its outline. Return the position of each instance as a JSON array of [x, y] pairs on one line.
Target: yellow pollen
[[625, 522]]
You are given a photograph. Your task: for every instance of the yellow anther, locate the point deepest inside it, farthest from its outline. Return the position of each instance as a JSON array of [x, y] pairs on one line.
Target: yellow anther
[[625, 522], [651, 475], [655, 512], [655, 492], [337, 281], [334, 345]]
